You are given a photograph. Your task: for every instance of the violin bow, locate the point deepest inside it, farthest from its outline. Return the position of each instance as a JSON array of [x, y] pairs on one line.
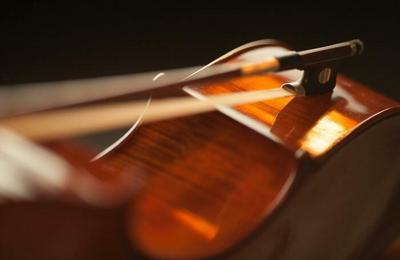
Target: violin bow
[[67, 122], [28, 98]]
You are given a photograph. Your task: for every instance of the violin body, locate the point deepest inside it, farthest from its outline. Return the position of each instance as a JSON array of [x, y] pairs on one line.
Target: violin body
[[313, 177]]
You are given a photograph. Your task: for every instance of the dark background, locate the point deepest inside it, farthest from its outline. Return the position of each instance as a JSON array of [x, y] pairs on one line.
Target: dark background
[[42, 41]]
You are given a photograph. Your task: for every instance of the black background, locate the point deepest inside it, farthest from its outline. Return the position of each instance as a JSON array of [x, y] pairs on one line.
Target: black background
[[52, 41]]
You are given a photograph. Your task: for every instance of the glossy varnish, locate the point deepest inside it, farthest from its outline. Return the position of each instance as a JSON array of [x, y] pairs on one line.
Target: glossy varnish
[[209, 181]]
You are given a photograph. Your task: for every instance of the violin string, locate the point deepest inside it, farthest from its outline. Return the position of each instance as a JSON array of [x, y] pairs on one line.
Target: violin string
[[69, 122]]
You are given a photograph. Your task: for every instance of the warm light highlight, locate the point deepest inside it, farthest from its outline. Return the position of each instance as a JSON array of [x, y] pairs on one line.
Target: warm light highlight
[[328, 130], [196, 223]]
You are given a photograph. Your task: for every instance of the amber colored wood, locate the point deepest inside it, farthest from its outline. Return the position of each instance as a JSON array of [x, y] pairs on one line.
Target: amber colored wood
[[291, 119], [196, 200], [251, 182], [210, 181]]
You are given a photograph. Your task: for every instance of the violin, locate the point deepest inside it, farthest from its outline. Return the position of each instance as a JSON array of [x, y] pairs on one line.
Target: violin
[[305, 168]]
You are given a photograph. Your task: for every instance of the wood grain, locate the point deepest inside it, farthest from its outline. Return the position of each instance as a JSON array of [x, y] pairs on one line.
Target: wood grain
[[211, 181]]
